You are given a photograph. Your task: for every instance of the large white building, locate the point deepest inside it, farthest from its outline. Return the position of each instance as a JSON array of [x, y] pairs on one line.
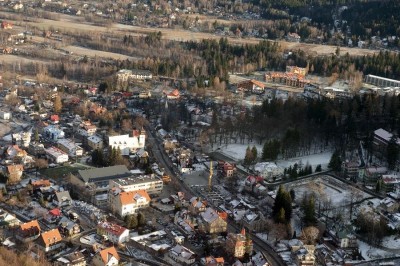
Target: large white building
[[127, 144], [114, 232], [124, 203], [153, 185], [70, 147], [56, 155], [268, 170]]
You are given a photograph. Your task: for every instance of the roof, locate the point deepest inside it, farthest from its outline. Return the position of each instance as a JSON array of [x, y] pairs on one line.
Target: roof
[[182, 252], [112, 228], [30, 226], [132, 196], [62, 196], [41, 183], [15, 168], [51, 237], [108, 253], [105, 173], [55, 212]]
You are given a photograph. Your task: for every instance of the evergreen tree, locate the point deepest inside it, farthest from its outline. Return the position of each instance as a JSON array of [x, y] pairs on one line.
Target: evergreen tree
[[282, 200], [249, 158], [141, 219], [255, 153], [392, 152], [336, 162], [281, 217], [308, 207], [318, 168]]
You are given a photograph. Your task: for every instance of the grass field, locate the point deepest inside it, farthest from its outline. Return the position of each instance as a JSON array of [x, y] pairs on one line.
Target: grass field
[[62, 171]]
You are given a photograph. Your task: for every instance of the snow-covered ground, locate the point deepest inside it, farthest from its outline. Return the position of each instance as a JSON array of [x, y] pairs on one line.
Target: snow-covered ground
[[238, 151], [370, 253], [391, 242]]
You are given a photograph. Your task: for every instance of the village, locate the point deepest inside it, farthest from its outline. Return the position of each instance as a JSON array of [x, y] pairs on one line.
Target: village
[[91, 178]]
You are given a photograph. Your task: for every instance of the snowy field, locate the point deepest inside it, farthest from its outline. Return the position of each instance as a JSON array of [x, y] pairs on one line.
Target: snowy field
[[326, 188], [391, 242], [237, 152], [369, 253]]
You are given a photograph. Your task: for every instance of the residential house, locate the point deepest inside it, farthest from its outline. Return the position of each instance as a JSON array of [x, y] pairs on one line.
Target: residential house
[[95, 142], [212, 222], [56, 155], [73, 259], [382, 139], [87, 129], [68, 227], [55, 119], [5, 115], [8, 220], [113, 232], [70, 147], [6, 25], [348, 242], [212, 261], [182, 255], [305, 255], [254, 221], [50, 240], [268, 170], [53, 132], [28, 231], [228, 170], [36, 148], [15, 153], [14, 173], [173, 95], [238, 245], [293, 37], [127, 144], [22, 138], [252, 85], [106, 257], [124, 203], [196, 205], [62, 199]]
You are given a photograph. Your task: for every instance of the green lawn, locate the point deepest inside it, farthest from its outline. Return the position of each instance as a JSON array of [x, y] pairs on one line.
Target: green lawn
[[62, 171]]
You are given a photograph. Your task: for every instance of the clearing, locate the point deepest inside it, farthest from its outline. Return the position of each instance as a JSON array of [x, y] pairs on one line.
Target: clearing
[[93, 53]]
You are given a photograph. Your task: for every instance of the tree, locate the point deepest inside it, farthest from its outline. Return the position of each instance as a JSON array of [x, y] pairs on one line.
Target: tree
[[255, 153], [392, 152], [249, 157], [310, 235], [281, 216], [308, 207], [131, 221], [318, 168], [282, 200], [36, 135], [141, 219], [57, 104], [336, 162]]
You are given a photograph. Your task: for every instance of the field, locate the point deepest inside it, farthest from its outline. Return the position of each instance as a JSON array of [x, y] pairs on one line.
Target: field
[[92, 53], [73, 23], [62, 171]]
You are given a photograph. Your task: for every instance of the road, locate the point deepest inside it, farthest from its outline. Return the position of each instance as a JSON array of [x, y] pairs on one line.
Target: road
[[164, 161]]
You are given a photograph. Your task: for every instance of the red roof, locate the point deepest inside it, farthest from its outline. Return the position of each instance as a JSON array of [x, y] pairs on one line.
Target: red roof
[[55, 212], [54, 118]]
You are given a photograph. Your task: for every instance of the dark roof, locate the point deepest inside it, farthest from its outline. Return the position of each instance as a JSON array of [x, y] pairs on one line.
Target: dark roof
[[105, 173]]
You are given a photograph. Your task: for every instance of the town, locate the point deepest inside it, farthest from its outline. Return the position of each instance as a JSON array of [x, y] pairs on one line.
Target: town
[[176, 134]]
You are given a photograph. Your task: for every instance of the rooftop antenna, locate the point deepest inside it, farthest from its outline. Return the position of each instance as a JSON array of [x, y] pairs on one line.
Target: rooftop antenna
[[210, 177]]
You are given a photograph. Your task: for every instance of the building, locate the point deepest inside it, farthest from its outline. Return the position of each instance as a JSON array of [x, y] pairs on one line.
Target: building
[[106, 257], [252, 85], [70, 147], [296, 70], [381, 81], [100, 177], [196, 205], [124, 203], [68, 227], [113, 232], [293, 37], [212, 222], [238, 245], [182, 255], [8, 220], [382, 139], [269, 171], [152, 184], [6, 25], [22, 138], [62, 199], [127, 144], [228, 169], [53, 133], [14, 173], [212, 261], [28, 231], [305, 255], [50, 240], [56, 155], [254, 221], [126, 75], [73, 259], [173, 95], [87, 129], [95, 142], [5, 115]]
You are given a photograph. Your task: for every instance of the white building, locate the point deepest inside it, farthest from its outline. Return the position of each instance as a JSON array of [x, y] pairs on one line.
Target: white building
[[22, 138], [5, 115], [95, 142], [153, 185], [268, 170], [124, 203], [53, 132], [127, 75], [182, 255], [127, 144], [56, 155], [70, 147], [113, 232], [106, 257]]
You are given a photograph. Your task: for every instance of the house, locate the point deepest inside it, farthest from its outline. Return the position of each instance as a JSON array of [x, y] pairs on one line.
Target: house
[[28, 231], [8, 220], [53, 132], [212, 261], [56, 155], [389, 205], [22, 138], [305, 255], [268, 170], [293, 37], [106, 257], [5, 115], [127, 144], [114, 232], [254, 221], [70, 147], [68, 227], [173, 95], [382, 139], [196, 205], [73, 259], [14, 173], [182, 255], [55, 119], [252, 85], [228, 169], [95, 142], [238, 245], [62, 199], [40, 183], [50, 240], [6, 25], [128, 202], [15, 152], [212, 222]]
